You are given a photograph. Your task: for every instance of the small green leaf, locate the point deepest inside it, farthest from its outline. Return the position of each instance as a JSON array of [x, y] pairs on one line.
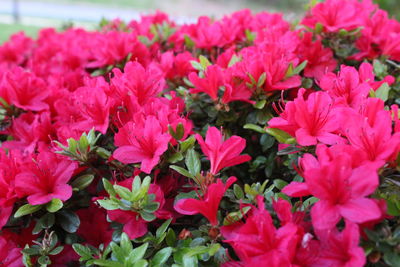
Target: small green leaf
[[188, 143], [254, 127], [383, 92], [109, 187], [54, 205], [182, 171], [148, 217], [261, 80], [204, 62], [234, 59], [163, 228], [26, 209], [192, 162], [238, 191], [68, 220], [108, 204], [123, 192], [279, 183], [138, 253], [82, 250], [161, 257], [300, 67], [189, 43], [260, 104], [176, 157], [57, 250], [126, 244], [281, 136], [82, 181]]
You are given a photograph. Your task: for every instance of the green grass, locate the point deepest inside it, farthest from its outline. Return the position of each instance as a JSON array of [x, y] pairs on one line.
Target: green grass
[[6, 30]]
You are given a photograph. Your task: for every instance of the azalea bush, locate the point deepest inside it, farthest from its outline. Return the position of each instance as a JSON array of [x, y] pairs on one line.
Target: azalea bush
[[231, 142]]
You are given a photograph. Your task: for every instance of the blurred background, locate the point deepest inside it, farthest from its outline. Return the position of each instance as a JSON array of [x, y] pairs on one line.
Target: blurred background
[[31, 15]]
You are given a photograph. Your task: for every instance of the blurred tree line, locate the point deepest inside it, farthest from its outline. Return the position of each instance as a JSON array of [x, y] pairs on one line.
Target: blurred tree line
[[392, 6]]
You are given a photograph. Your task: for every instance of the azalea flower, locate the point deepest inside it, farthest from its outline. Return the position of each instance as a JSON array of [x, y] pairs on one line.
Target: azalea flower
[[45, 178], [144, 143], [208, 204], [222, 153], [310, 121], [342, 191]]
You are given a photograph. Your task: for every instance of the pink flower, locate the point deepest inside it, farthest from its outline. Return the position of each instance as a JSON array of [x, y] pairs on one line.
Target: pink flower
[[10, 254], [208, 204], [141, 142], [24, 90], [257, 241], [342, 191], [311, 121], [45, 178], [340, 248], [210, 84], [222, 153], [339, 14], [346, 87], [131, 83]]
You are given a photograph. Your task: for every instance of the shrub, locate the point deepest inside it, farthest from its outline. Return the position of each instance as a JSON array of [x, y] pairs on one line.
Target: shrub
[[231, 142]]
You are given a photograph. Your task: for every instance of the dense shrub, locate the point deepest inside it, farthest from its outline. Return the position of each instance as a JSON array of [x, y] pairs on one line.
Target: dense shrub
[[239, 141]]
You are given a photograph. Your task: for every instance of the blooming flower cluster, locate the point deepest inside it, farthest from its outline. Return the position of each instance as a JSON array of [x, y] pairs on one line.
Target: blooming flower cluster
[[230, 142]]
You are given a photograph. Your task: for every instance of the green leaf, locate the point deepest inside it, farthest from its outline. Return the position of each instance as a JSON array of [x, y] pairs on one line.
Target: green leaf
[[126, 244], [68, 220], [170, 238], [260, 104], [234, 59], [318, 28], [238, 191], [204, 62], [163, 228], [107, 263], [82, 181], [189, 43], [31, 251], [196, 65], [192, 162], [182, 171], [188, 143], [161, 257], [261, 81], [379, 68], [138, 253], [108, 204], [235, 216], [310, 201], [141, 263], [281, 136], [54, 205], [148, 217], [82, 250], [45, 222], [44, 260], [254, 127], [383, 92], [123, 192], [300, 67], [151, 207], [279, 183], [83, 144], [57, 250], [26, 209], [109, 187], [176, 157]]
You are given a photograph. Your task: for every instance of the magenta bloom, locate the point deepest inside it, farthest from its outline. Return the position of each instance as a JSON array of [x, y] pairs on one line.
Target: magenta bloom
[[311, 121], [222, 153], [24, 90], [45, 179], [342, 191], [340, 248], [144, 143], [210, 84], [208, 204]]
